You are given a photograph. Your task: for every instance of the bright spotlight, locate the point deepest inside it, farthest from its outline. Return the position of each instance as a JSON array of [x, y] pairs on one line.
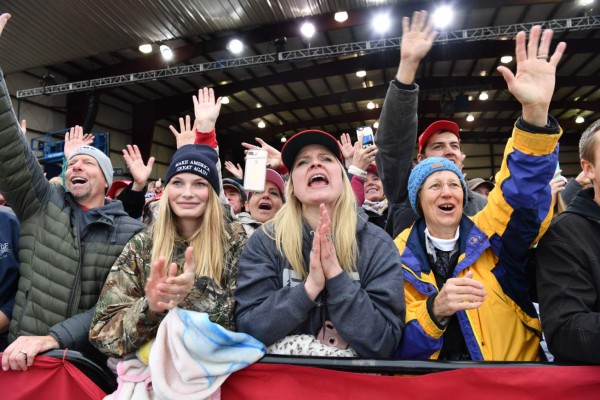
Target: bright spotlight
[[442, 17], [145, 48], [584, 3], [370, 105], [506, 59], [341, 16], [235, 46], [166, 52], [381, 23], [483, 96], [261, 124], [361, 74], [376, 124], [225, 100], [470, 118], [283, 139], [579, 120], [307, 30]]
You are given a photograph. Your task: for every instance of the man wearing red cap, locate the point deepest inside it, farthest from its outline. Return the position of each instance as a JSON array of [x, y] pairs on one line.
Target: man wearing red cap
[[398, 130]]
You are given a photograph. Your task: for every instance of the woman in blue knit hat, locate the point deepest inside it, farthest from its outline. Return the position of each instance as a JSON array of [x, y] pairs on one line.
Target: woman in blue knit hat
[[187, 258], [467, 295]]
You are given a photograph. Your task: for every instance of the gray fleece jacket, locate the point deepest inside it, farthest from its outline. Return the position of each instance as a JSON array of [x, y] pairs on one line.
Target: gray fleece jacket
[[367, 308]]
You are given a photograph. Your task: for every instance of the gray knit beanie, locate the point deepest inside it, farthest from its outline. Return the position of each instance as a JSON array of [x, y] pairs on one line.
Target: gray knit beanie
[[102, 159]]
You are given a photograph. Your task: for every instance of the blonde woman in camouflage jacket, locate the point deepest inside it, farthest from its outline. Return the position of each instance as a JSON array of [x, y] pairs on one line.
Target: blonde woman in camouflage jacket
[[188, 258]]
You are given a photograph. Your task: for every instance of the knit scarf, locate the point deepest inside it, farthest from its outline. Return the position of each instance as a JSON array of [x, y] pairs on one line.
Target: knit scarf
[[377, 207]]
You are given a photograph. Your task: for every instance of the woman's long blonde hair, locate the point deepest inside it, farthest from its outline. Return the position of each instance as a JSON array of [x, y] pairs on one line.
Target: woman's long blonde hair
[[287, 225], [208, 241]]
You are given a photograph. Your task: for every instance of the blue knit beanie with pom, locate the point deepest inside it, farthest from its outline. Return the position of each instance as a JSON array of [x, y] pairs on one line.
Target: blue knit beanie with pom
[[427, 167]]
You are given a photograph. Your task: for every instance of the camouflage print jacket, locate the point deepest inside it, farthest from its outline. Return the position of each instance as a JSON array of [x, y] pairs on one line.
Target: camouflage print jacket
[[123, 322]]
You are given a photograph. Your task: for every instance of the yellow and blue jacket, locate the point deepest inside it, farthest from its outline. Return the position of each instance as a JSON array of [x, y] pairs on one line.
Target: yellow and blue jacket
[[494, 245]]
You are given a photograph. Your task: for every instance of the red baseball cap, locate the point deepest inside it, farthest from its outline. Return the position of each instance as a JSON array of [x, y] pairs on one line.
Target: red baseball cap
[[116, 185], [437, 127]]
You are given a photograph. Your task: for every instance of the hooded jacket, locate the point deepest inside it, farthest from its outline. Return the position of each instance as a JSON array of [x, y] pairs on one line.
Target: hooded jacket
[[568, 278], [64, 257], [367, 308]]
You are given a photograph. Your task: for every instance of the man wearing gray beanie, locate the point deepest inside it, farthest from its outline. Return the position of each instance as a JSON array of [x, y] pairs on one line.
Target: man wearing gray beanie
[[101, 158], [69, 241], [61, 278]]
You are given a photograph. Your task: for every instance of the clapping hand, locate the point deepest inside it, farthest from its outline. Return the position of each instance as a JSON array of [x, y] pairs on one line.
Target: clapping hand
[[164, 288]]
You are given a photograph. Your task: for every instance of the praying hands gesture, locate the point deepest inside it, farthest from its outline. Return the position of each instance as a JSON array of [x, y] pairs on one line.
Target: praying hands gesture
[[533, 84], [164, 288], [323, 263]]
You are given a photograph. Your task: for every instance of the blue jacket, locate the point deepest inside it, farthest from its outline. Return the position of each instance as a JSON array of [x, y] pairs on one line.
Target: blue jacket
[[493, 245]]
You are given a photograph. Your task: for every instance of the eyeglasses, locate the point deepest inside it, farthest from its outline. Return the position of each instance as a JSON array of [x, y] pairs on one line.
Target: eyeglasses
[[436, 186]]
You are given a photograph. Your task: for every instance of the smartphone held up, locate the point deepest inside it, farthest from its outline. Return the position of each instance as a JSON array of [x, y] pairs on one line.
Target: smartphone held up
[[367, 136], [255, 172]]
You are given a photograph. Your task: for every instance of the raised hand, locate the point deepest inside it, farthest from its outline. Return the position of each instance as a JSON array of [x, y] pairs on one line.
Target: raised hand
[[140, 171], [273, 155], [236, 170], [329, 261], [417, 38], [206, 109], [533, 84], [347, 148], [186, 133], [363, 157], [3, 20], [458, 294], [75, 138], [558, 184]]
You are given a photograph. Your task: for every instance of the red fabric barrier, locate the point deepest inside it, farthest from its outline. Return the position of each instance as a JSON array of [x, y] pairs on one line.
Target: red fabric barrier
[[263, 381], [48, 379]]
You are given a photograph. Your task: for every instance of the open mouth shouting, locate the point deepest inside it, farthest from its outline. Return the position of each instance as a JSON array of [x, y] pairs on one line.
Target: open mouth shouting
[[318, 180], [78, 180], [265, 205], [447, 208]]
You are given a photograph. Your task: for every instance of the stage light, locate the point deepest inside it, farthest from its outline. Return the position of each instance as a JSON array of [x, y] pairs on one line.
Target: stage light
[[307, 30], [166, 52], [145, 48], [341, 16], [235, 46]]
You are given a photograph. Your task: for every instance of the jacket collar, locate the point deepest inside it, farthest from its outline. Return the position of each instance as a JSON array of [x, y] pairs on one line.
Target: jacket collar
[[583, 204], [472, 242]]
